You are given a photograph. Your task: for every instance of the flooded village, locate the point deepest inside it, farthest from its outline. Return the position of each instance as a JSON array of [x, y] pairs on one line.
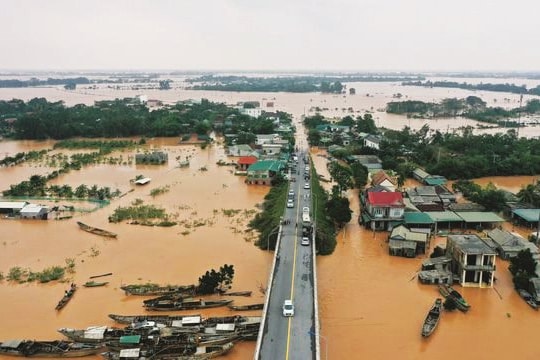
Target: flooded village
[[372, 304]]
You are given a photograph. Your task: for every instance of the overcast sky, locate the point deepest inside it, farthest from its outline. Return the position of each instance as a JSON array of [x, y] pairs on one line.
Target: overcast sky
[[343, 35]]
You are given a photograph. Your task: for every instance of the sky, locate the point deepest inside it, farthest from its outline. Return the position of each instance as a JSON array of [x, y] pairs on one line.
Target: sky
[[311, 35]]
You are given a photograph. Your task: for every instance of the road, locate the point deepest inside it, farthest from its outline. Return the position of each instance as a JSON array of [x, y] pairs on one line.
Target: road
[[290, 337]]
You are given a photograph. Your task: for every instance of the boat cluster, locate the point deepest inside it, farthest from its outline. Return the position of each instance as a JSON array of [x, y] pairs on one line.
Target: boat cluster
[[146, 336], [453, 300]]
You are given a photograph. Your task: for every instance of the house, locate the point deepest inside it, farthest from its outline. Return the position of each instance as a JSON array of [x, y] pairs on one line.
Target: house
[[245, 161], [334, 129], [266, 139], [263, 172], [12, 208], [142, 181], [436, 271], [372, 141], [383, 179], [241, 150], [153, 103], [271, 149], [371, 162], [381, 210], [34, 211], [407, 243], [472, 260], [508, 245], [428, 179]]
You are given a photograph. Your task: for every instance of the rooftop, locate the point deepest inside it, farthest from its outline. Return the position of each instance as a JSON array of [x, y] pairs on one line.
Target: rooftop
[[471, 244], [385, 198]]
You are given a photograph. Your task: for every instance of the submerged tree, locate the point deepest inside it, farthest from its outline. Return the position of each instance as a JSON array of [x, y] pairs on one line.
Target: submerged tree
[[523, 268], [216, 281]]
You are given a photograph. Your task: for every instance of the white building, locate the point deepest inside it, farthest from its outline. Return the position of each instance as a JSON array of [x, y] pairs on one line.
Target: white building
[[256, 112], [34, 211]]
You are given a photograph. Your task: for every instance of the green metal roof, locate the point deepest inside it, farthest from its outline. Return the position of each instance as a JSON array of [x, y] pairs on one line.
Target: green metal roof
[[266, 165], [435, 181], [530, 215], [417, 218], [478, 216], [443, 216], [130, 339]]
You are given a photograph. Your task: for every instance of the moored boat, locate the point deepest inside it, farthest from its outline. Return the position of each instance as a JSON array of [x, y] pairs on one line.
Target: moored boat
[[525, 295], [237, 293], [432, 318], [95, 283], [247, 307], [162, 319], [50, 349], [155, 289], [67, 296], [192, 353], [94, 334], [160, 304], [448, 291], [95, 230]]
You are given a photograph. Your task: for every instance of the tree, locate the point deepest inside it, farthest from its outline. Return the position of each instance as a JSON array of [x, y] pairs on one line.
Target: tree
[[216, 281], [341, 174], [337, 208], [522, 267], [164, 84], [360, 175]]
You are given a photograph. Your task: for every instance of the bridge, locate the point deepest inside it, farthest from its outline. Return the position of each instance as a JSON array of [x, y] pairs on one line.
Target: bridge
[[293, 277]]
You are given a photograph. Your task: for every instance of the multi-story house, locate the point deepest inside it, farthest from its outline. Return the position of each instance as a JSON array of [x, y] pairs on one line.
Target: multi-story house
[[382, 210], [473, 261]]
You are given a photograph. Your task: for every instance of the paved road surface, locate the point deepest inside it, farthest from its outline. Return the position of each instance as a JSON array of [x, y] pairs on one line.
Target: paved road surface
[[290, 337]]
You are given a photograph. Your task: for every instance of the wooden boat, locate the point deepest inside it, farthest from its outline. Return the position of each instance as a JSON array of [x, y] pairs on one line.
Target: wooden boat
[[159, 304], [95, 283], [190, 353], [95, 334], [247, 307], [448, 291], [50, 349], [237, 293], [155, 289], [161, 319], [525, 295], [67, 296], [95, 231], [432, 318]]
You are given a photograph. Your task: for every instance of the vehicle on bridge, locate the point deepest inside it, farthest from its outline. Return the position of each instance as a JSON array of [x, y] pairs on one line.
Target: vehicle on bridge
[[305, 241], [288, 308], [290, 203]]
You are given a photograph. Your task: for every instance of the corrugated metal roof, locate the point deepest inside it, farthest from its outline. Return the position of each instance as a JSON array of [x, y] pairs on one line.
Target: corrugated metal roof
[[478, 216], [12, 204], [530, 215], [443, 216], [417, 218]]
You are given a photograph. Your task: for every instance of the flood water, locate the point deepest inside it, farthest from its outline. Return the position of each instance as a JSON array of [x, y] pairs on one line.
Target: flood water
[[371, 304]]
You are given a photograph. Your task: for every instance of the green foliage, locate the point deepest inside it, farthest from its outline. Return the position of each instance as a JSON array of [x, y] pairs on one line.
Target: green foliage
[[16, 273], [158, 191], [216, 281], [337, 208], [489, 197], [523, 268], [267, 221], [325, 236], [70, 265], [139, 212], [341, 174], [360, 175]]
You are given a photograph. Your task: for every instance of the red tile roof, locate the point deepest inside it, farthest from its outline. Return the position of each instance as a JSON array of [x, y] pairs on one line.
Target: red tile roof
[[391, 199], [247, 160]]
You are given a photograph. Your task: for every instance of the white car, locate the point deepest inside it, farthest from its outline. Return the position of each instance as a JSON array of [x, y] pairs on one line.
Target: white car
[[306, 186], [305, 210], [305, 241], [291, 192], [290, 203], [288, 308]]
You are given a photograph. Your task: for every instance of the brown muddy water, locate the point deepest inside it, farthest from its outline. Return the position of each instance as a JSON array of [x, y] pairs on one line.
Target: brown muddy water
[[371, 305], [176, 255]]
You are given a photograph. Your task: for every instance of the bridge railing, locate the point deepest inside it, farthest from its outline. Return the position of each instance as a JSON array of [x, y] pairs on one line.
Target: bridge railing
[[267, 299]]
